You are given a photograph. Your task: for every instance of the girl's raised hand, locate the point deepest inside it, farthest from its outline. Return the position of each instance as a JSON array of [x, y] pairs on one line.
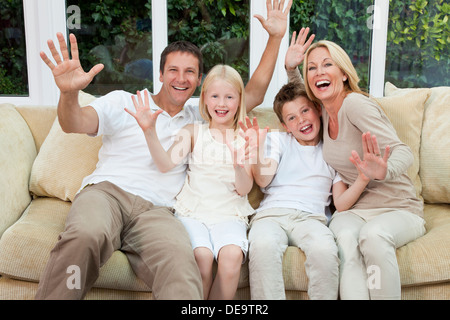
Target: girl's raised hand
[[256, 135], [144, 115], [241, 155], [373, 165]]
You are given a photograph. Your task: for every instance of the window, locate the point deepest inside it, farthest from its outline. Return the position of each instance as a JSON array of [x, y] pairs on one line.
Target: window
[[406, 42], [346, 23], [219, 28], [117, 34], [13, 60], [418, 43]]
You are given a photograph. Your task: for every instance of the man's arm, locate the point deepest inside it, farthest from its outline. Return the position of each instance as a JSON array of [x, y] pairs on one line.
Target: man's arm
[[275, 25], [70, 78]]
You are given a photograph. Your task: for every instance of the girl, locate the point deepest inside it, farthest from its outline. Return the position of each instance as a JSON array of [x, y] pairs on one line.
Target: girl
[[213, 203]]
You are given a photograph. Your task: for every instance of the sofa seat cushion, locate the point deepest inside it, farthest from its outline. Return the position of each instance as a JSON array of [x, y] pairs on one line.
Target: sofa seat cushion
[[427, 259], [17, 153], [25, 248]]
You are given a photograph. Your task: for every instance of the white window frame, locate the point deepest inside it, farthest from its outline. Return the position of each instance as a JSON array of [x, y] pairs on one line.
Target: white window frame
[[379, 43], [44, 18]]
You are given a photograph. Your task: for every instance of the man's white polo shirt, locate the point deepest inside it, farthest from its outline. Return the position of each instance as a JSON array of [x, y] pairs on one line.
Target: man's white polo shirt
[[124, 158]]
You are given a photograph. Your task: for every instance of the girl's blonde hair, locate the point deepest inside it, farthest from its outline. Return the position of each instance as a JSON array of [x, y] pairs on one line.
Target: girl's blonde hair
[[342, 60], [230, 75]]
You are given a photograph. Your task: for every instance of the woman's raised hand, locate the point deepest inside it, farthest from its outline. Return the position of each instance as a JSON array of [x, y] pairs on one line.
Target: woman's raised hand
[[296, 51], [373, 165]]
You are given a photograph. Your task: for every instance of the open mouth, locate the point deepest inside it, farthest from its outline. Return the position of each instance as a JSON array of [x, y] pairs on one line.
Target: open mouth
[[323, 84], [306, 129], [179, 88], [221, 113]]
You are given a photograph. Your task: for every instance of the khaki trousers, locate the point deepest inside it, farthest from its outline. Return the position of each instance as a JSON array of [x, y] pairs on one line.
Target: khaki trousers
[[271, 231], [104, 218], [367, 242]]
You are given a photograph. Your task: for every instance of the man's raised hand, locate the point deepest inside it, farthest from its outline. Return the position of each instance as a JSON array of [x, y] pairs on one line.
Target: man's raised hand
[[68, 73], [144, 115], [276, 22]]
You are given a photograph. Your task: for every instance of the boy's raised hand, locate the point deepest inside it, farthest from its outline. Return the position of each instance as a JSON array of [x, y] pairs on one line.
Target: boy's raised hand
[[68, 73], [144, 115], [276, 22], [296, 51]]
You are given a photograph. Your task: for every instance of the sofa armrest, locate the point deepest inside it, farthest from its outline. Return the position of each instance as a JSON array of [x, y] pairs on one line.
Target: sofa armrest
[[17, 154]]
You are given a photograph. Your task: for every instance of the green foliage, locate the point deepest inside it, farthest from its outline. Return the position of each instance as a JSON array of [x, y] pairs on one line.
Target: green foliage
[[13, 67], [418, 54], [418, 36], [116, 32], [219, 27], [344, 22]]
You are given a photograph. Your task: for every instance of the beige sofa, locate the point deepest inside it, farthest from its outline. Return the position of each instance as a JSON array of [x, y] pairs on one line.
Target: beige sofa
[[41, 169]]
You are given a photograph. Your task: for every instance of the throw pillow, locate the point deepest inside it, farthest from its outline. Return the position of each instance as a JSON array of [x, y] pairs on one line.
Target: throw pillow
[[64, 160], [435, 147], [405, 110]]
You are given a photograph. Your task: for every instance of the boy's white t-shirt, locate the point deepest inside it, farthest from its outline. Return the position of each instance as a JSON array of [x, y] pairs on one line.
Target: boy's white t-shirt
[[303, 179], [125, 160]]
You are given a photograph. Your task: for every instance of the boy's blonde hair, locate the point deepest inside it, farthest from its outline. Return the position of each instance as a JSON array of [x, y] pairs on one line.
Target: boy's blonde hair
[[342, 60], [230, 75]]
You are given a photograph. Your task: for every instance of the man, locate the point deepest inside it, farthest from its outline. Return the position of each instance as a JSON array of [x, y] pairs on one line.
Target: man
[[125, 203]]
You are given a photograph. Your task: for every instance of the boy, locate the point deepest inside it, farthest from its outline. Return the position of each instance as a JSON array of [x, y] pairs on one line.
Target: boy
[[297, 185]]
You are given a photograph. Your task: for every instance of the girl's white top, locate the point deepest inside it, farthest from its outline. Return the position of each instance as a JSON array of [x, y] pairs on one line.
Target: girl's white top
[[209, 193]]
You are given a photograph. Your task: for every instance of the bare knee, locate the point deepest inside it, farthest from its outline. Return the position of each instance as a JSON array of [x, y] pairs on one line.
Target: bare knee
[[230, 260], [204, 258]]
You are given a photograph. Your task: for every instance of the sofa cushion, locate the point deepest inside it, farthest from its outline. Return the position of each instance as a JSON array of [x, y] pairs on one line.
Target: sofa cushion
[[406, 114], [57, 171], [17, 153], [25, 248], [426, 259], [40, 120], [434, 148]]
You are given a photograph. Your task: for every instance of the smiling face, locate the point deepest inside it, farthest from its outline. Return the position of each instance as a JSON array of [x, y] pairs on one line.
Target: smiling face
[[222, 102], [325, 79], [180, 78], [302, 119]]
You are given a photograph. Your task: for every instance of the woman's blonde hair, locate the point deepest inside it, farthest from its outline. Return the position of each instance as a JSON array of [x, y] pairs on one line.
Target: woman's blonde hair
[[230, 75], [342, 60]]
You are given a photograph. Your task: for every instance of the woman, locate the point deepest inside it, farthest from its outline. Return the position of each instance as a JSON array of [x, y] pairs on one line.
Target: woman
[[388, 214]]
